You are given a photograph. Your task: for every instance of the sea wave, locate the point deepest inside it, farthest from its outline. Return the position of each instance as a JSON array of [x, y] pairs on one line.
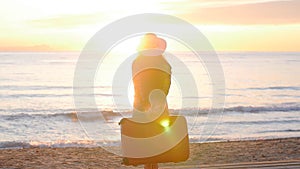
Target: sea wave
[[276, 88], [108, 114], [296, 88], [52, 144], [12, 117], [93, 143], [34, 95], [44, 87], [280, 107], [33, 111], [265, 122], [283, 107]]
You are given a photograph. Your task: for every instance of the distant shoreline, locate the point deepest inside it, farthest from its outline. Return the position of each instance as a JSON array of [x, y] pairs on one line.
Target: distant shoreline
[[201, 154]]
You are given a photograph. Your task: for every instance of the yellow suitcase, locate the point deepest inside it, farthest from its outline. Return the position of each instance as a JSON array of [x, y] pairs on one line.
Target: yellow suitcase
[[154, 142]]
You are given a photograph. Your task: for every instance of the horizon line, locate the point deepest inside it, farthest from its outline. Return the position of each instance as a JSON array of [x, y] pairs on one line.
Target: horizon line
[[63, 51]]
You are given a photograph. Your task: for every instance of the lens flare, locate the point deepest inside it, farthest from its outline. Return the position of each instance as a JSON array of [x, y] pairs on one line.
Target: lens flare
[[165, 123]]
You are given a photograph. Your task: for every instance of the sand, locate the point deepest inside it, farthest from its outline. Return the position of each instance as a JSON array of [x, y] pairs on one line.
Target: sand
[[201, 154]]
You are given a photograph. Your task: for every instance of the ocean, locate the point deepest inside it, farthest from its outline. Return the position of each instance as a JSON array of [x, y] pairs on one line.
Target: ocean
[[262, 100]]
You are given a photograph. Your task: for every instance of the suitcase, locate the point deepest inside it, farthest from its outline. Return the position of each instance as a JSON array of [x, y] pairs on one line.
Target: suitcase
[[154, 142]]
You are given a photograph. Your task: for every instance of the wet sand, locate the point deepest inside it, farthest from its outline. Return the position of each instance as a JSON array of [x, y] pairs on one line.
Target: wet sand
[[200, 154]]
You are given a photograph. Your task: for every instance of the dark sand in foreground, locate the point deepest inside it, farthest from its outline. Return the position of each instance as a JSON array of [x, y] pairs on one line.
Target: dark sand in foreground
[[201, 153]]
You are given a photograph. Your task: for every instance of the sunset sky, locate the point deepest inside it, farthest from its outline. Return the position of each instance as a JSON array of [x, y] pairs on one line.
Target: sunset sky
[[230, 25]]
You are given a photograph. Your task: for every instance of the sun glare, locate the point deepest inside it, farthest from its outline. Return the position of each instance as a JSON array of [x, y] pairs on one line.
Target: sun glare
[[131, 93], [165, 123]]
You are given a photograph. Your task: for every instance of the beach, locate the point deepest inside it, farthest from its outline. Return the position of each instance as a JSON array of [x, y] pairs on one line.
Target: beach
[[200, 154]]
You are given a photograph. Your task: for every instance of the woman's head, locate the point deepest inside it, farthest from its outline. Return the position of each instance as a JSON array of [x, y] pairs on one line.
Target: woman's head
[[150, 42]]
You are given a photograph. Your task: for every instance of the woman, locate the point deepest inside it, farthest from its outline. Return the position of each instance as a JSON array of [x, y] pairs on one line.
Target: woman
[[152, 79]]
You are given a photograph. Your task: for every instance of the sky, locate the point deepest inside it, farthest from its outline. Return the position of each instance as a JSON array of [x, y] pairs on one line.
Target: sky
[[230, 25]]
